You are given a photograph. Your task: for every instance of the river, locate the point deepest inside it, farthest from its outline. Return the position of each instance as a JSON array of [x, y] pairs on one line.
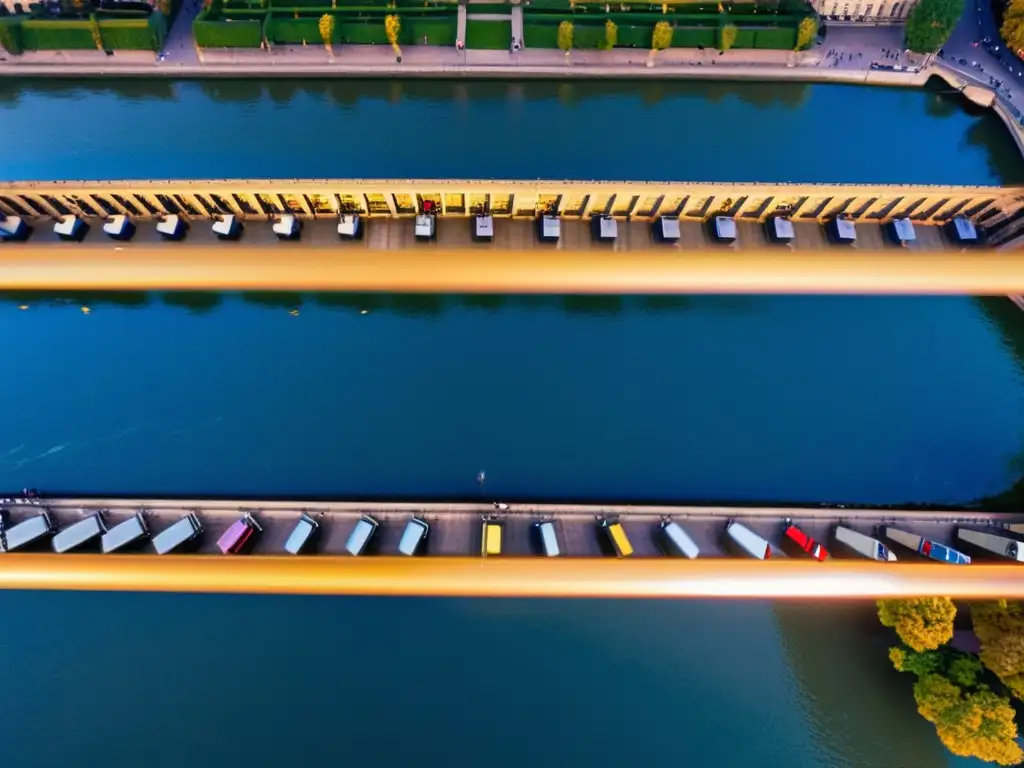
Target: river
[[812, 399]]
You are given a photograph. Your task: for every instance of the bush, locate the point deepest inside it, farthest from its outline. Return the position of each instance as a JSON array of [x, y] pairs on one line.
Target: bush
[[540, 35], [779, 38], [363, 33], [438, 31], [285, 31]]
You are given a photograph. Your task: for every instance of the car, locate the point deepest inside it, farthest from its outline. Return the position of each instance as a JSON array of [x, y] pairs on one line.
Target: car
[[805, 542]]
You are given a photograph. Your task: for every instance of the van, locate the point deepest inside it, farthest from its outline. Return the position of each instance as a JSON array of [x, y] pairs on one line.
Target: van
[[675, 542], [413, 536], [361, 535], [27, 532], [302, 534], [79, 533], [547, 537], [748, 541], [490, 538], [179, 533], [124, 534], [617, 536], [238, 534]]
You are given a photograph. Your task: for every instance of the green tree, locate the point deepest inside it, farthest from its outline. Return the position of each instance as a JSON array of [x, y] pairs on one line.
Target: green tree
[[662, 37], [611, 35], [326, 27], [805, 33], [565, 37], [999, 626], [727, 37], [923, 623], [970, 720], [393, 27], [931, 23]]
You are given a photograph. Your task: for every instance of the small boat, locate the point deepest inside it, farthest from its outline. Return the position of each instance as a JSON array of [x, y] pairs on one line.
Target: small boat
[[863, 545], [933, 550], [805, 542]]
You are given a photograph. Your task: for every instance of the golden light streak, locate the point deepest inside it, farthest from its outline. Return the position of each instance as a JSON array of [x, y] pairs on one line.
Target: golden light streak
[[437, 270], [507, 577]]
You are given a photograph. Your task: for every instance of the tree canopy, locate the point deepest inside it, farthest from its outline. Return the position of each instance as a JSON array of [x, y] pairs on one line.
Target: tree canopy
[[326, 26], [931, 23], [565, 36], [923, 623], [1013, 25], [970, 720], [999, 626], [662, 37], [806, 32], [727, 37]]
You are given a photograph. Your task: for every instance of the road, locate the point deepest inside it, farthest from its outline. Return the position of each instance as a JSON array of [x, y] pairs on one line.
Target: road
[[976, 50]]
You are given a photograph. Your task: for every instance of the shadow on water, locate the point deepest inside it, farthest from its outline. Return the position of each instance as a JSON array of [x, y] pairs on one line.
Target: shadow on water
[[129, 89], [402, 305], [126, 299], [858, 705], [196, 302], [1008, 321]]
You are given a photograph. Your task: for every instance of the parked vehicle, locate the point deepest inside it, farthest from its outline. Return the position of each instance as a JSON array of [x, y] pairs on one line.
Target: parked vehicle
[[676, 542], [805, 542], [177, 534], [748, 541], [863, 545], [78, 534]]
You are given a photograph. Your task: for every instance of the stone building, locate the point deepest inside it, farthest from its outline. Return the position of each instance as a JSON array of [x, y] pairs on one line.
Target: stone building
[[864, 11]]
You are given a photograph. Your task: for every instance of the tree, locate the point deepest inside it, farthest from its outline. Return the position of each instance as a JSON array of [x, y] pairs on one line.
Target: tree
[[970, 720], [1013, 25], [393, 26], [727, 37], [931, 23], [999, 626], [923, 623], [662, 37], [326, 26], [805, 33], [611, 34], [565, 37]]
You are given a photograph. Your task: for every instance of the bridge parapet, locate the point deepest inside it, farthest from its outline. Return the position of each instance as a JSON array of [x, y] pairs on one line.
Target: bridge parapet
[[311, 199]]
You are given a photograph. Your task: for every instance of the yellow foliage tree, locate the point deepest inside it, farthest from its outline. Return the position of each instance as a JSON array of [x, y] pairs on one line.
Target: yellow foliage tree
[[662, 37], [565, 37], [1013, 25], [393, 26], [979, 724], [727, 38], [611, 34], [923, 623], [999, 626], [805, 33], [326, 26]]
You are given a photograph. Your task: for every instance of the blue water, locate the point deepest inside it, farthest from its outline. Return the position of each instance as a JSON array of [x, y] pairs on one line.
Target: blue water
[[698, 131], [811, 399], [871, 400]]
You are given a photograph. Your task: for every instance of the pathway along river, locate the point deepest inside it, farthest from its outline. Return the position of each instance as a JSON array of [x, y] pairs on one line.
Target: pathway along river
[[879, 400]]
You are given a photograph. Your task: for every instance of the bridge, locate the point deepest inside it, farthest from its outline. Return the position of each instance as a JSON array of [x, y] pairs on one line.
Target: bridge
[[453, 566], [390, 258]]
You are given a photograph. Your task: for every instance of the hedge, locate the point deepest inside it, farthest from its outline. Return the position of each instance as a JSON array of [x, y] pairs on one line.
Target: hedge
[[134, 34], [540, 35], [243, 33], [294, 31], [10, 35], [780, 38], [57, 35], [544, 34], [437, 31], [363, 33], [489, 35]]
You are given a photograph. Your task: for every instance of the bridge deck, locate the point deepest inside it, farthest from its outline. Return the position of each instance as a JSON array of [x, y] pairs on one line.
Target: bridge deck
[[456, 529]]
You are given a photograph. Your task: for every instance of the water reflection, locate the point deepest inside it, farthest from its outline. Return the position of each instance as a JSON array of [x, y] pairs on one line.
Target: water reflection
[[857, 704], [196, 302]]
